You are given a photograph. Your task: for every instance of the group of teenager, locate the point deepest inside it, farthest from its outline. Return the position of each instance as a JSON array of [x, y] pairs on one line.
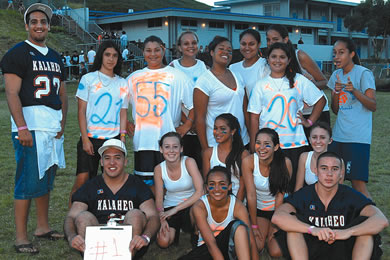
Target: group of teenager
[[219, 151]]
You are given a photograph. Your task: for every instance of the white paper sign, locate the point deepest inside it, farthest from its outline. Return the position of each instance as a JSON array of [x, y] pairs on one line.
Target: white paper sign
[[106, 243]]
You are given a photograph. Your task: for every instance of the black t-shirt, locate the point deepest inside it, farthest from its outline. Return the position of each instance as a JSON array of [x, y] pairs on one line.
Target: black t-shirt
[[41, 74], [102, 202], [345, 206]]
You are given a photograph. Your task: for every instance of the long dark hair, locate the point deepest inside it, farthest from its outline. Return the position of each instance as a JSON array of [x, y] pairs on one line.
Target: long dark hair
[[351, 48], [234, 156], [154, 38], [282, 30], [278, 175], [97, 63], [217, 40], [290, 69]]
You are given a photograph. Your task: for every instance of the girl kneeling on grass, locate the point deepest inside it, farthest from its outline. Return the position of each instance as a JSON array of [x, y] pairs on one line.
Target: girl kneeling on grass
[[266, 175], [182, 180], [222, 221], [320, 138], [353, 101]]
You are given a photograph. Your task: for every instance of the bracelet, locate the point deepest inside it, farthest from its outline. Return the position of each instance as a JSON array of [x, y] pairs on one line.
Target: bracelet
[[146, 238], [255, 226], [123, 132], [309, 231], [22, 128], [160, 209], [190, 119], [310, 122]]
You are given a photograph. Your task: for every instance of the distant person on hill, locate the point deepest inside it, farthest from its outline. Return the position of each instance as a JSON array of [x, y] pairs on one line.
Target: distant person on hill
[[82, 57], [91, 55], [123, 40], [74, 60], [21, 7], [38, 103], [300, 41], [10, 4]]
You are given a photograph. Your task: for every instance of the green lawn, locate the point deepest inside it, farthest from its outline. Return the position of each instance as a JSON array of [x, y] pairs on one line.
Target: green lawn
[[378, 185]]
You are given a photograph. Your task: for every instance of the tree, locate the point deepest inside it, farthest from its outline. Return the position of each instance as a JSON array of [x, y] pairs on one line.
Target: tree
[[374, 16]]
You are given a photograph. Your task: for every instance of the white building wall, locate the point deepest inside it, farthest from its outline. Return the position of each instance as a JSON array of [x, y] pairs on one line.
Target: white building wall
[[248, 8], [138, 30]]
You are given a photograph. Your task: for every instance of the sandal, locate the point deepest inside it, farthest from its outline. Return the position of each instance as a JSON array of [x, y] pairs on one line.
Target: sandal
[[51, 235], [26, 249]]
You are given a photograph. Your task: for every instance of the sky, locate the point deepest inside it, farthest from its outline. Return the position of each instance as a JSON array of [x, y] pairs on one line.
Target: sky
[[211, 2]]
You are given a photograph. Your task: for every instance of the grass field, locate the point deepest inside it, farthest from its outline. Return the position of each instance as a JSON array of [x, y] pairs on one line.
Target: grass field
[[378, 185]]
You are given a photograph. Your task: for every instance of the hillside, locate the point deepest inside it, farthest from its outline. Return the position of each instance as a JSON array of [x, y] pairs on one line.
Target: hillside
[[12, 31], [124, 5]]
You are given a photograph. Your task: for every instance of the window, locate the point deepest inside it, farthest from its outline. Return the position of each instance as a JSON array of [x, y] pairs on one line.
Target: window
[[272, 9], [190, 23], [306, 30], [217, 25], [241, 26], [154, 22]]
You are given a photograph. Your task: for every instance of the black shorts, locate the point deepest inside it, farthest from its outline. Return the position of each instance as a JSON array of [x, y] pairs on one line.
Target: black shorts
[[225, 243], [89, 163], [144, 163], [181, 220], [320, 250], [265, 214], [293, 154], [192, 148]]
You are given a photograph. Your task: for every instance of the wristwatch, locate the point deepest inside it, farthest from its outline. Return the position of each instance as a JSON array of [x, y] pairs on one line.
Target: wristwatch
[[146, 238]]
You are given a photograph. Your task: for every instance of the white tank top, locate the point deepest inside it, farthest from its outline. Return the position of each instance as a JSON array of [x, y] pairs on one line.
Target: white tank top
[[310, 177], [179, 190], [217, 227], [214, 161], [265, 201]]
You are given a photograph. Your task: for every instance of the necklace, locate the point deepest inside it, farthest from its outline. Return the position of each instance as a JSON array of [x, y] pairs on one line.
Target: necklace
[[277, 86], [109, 83]]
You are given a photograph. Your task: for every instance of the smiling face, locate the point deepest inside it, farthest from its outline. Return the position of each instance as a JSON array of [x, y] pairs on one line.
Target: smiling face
[[222, 53], [319, 139], [265, 147], [218, 186], [113, 162], [222, 131], [249, 47], [38, 27], [188, 45], [110, 59], [328, 172], [274, 36], [342, 57], [171, 149], [278, 61], [153, 54]]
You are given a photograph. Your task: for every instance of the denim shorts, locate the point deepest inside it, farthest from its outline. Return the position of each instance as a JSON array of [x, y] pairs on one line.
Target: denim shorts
[[27, 182], [356, 158]]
